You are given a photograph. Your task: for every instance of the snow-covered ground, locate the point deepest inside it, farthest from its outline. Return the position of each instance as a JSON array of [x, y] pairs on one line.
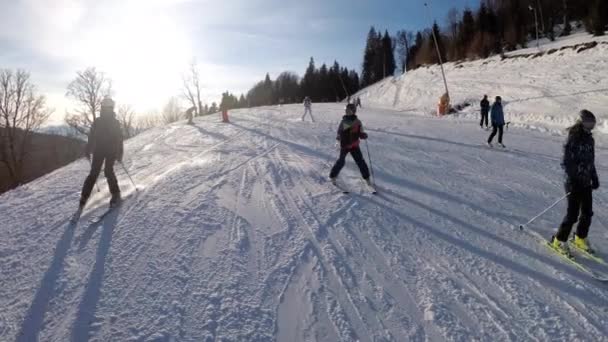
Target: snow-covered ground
[[543, 93], [235, 235]]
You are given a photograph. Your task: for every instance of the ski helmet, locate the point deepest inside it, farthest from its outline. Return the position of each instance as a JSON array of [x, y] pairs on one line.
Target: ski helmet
[[350, 109], [587, 119], [107, 102]]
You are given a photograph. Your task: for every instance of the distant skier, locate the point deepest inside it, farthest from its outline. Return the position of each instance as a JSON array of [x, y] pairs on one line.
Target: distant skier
[[190, 115], [358, 102], [106, 144], [349, 133], [485, 109], [308, 108], [498, 121], [581, 180]]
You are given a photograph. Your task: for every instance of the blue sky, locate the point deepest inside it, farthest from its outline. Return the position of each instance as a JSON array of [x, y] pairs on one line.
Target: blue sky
[[145, 45]]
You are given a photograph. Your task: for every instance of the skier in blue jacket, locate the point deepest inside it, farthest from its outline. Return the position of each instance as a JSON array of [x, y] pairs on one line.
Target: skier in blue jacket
[[498, 121]]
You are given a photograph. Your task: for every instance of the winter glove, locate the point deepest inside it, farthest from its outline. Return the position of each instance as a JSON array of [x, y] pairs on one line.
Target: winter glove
[[337, 145], [595, 183], [363, 135], [569, 186]]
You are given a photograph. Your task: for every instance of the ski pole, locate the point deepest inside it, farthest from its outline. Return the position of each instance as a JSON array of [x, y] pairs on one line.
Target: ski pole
[[522, 226], [371, 166], [127, 172]]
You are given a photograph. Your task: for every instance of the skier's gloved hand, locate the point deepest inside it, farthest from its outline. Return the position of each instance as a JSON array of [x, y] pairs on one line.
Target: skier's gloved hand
[[569, 186], [595, 183], [363, 135], [337, 145]]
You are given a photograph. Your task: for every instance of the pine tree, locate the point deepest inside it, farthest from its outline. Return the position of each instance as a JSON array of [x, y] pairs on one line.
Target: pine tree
[[598, 17], [367, 73], [388, 53], [309, 80]]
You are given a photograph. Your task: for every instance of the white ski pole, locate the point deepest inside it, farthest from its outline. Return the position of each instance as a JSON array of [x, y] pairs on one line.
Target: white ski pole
[[128, 175], [522, 226]]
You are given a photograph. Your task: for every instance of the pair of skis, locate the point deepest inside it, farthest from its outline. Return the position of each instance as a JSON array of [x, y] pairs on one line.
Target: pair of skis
[[369, 188], [96, 220], [602, 277]]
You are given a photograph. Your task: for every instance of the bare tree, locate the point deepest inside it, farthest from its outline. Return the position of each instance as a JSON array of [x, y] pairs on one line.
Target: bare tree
[[172, 111], [147, 121], [192, 88], [22, 111], [403, 42], [87, 90], [126, 117]]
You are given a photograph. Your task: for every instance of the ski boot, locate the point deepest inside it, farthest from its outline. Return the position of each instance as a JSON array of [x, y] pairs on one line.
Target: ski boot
[[560, 247], [502, 145], [490, 145], [583, 245], [115, 200], [334, 181], [368, 182]]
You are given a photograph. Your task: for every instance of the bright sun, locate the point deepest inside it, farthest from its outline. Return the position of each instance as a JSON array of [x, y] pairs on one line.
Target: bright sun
[[143, 51]]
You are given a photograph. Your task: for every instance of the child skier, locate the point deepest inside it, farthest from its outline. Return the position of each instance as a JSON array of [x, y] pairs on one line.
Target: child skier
[[106, 144], [308, 108], [498, 121], [349, 133], [581, 180]]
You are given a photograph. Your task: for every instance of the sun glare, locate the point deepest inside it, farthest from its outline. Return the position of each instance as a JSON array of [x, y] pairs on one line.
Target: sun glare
[[144, 51]]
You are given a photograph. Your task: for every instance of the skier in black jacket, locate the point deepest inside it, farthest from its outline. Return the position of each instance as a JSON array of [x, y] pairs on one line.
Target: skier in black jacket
[[349, 133], [106, 144], [581, 180], [485, 109]]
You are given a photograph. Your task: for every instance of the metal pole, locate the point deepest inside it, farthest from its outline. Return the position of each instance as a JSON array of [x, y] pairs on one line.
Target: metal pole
[[536, 25], [522, 226], [445, 82], [343, 86]]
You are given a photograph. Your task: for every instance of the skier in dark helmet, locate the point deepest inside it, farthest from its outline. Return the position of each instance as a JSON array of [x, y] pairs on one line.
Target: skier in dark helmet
[[349, 133], [106, 144], [581, 180]]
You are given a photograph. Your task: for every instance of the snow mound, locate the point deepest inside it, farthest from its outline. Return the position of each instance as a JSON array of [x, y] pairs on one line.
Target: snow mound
[[542, 90]]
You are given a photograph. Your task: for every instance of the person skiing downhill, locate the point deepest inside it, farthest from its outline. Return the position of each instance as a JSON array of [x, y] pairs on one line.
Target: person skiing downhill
[[498, 122], [485, 109], [308, 108], [349, 133], [581, 179], [105, 143]]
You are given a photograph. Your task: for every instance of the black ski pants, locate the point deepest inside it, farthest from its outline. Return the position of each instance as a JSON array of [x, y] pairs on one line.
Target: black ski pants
[[580, 208], [357, 156], [495, 129], [99, 159], [484, 118]]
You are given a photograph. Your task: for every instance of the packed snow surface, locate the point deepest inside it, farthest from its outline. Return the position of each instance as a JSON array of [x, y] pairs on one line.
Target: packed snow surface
[[542, 92], [237, 235]]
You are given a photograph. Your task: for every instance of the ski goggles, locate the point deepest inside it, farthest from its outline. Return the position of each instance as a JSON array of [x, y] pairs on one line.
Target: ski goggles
[[589, 125]]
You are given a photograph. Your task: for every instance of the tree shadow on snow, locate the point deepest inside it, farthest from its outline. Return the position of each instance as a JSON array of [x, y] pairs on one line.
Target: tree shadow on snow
[[92, 292]]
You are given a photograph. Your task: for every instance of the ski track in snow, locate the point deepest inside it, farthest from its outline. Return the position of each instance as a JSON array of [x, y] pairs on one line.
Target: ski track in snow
[[236, 235]]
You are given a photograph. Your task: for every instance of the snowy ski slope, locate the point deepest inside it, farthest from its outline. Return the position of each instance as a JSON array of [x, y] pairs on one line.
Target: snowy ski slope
[[236, 235], [543, 93]]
